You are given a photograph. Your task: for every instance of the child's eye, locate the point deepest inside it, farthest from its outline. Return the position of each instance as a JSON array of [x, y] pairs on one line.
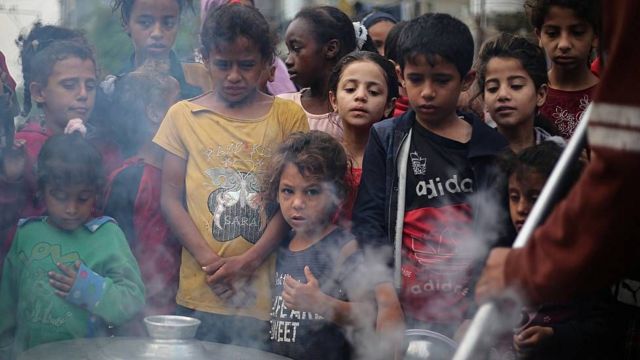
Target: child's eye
[[349, 90], [90, 85], [59, 195], [169, 23], [517, 86], [222, 65], [415, 79], [491, 89], [551, 33], [247, 65], [145, 22], [313, 192], [441, 80], [286, 191]]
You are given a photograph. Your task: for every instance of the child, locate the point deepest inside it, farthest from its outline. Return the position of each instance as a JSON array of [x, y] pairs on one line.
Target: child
[[216, 146], [317, 38], [280, 83], [153, 27], [420, 170], [67, 274], [391, 53], [362, 89], [379, 24], [512, 78], [133, 192], [568, 32], [573, 330], [315, 279], [61, 77]]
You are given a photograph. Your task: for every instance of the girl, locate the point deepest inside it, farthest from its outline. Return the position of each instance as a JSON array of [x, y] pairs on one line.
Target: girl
[[317, 38], [316, 271], [512, 78], [362, 90], [152, 26], [61, 79], [133, 194], [217, 146], [581, 328], [67, 274]]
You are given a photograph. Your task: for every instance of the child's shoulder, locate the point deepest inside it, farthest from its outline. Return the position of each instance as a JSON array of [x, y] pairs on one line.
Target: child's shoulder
[[102, 222]]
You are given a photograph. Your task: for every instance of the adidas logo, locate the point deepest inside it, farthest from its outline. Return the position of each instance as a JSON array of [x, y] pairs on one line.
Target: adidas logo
[[436, 188]]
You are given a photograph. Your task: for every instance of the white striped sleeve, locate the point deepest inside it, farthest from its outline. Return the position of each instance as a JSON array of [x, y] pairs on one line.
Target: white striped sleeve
[[615, 127]]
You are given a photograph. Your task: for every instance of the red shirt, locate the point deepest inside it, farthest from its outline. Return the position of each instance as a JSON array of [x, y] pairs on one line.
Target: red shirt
[[564, 108]]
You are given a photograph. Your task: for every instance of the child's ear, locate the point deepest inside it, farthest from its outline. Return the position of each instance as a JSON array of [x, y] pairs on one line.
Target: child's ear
[[332, 100], [37, 92], [154, 114], [400, 75], [541, 95], [272, 72], [388, 109], [331, 49], [538, 34], [468, 80]]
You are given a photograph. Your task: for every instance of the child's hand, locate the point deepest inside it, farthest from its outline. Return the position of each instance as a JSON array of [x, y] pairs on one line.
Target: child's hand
[[13, 162], [531, 337], [303, 297], [76, 125], [63, 282], [227, 275]]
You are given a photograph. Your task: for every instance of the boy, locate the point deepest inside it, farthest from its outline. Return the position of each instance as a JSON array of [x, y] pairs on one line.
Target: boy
[[419, 172], [568, 32], [216, 147]]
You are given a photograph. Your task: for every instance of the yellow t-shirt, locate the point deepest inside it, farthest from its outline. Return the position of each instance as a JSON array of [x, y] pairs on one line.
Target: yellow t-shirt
[[225, 158]]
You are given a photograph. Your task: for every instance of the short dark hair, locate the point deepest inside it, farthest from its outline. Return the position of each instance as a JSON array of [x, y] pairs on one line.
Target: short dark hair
[[39, 38], [126, 6], [540, 158], [391, 44], [434, 35], [505, 45], [317, 155], [587, 10], [387, 67], [68, 159], [226, 23], [329, 23]]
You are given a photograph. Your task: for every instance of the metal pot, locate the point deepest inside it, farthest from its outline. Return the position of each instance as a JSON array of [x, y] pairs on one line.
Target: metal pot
[[171, 339]]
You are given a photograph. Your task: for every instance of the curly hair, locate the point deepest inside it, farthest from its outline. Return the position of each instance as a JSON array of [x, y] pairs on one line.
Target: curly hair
[[588, 10], [317, 155]]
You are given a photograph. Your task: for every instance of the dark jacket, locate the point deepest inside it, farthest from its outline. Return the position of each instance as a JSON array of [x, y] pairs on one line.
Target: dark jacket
[[374, 214]]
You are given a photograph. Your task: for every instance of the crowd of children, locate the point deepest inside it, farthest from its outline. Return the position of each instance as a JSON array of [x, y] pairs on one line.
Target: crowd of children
[[313, 224]]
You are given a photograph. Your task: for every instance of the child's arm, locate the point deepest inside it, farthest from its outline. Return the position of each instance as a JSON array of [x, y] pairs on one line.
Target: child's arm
[[309, 297], [174, 170], [226, 269], [112, 290]]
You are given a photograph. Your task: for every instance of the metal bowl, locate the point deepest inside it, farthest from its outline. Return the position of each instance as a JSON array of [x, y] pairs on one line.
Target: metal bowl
[[171, 327], [428, 345]]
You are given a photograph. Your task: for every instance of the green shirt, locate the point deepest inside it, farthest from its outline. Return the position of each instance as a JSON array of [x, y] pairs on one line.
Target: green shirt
[[33, 314]]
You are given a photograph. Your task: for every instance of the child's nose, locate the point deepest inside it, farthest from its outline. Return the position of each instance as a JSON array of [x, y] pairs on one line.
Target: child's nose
[[361, 94], [503, 93], [71, 208], [234, 74], [156, 32], [298, 202], [564, 42], [428, 90]]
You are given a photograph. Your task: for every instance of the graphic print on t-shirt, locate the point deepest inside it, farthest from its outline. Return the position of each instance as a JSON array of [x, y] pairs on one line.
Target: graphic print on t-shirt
[[437, 222], [235, 204]]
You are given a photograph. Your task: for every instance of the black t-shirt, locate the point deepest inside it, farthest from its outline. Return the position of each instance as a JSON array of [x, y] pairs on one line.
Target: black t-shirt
[[436, 228], [305, 335]]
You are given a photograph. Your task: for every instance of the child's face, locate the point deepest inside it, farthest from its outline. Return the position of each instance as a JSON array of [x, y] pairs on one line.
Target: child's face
[[378, 33], [305, 204], [523, 194], [566, 39], [305, 61], [153, 26], [69, 207], [433, 91], [70, 92], [361, 94], [236, 71], [510, 95]]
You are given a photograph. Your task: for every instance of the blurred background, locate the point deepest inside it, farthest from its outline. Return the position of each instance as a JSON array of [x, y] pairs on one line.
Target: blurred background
[[104, 30]]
